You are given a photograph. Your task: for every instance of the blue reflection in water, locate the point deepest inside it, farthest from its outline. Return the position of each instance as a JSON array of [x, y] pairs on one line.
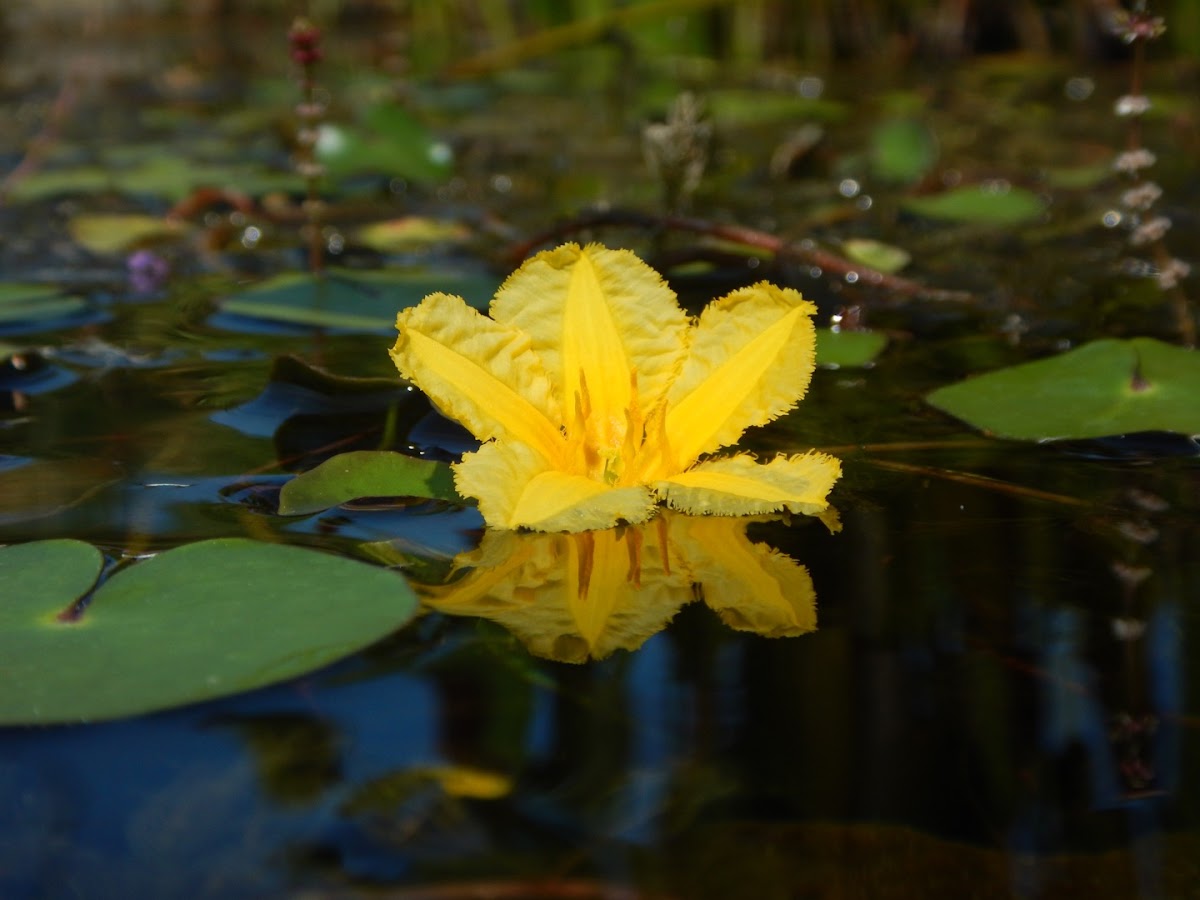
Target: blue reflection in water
[[1074, 718], [173, 805]]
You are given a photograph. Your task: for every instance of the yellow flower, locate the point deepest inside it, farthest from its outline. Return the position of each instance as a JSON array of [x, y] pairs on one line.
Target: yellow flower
[[574, 597], [596, 396]]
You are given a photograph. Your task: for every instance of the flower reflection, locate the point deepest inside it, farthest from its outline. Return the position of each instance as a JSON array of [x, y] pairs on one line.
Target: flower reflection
[[571, 597]]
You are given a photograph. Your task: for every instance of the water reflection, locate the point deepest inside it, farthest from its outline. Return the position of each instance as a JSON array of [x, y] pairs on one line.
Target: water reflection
[[575, 597]]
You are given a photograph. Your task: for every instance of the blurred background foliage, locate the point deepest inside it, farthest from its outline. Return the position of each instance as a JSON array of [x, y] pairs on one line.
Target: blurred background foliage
[[745, 31]]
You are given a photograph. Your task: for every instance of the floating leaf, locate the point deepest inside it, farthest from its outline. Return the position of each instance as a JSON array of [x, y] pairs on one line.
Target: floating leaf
[[366, 473], [902, 151], [50, 182], [876, 254], [1105, 388], [356, 302], [40, 307], [110, 234], [157, 169], [410, 233], [1071, 178], [980, 204], [389, 141], [204, 620], [737, 107], [848, 349], [58, 572]]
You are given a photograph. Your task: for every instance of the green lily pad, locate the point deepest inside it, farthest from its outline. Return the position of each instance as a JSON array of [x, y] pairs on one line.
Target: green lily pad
[[848, 349], [36, 302], [58, 572], [1104, 388], [353, 301], [980, 205], [902, 151], [201, 621], [366, 473]]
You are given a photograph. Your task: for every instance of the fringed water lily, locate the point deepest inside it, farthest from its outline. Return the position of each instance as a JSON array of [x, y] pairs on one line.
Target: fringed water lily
[[574, 597], [596, 397]]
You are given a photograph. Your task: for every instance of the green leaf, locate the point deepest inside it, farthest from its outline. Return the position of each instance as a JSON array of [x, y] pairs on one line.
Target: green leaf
[[411, 233], [358, 301], [739, 107], [876, 254], [159, 169], [1074, 178], [106, 234], [848, 349], [201, 621], [57, 572], [36, 302], [902, 151], [1105, 388], [366, 473], [389, 141], [980, 205]]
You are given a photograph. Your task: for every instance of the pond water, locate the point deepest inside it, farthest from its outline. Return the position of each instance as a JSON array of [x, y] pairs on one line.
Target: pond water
[[997, 698]]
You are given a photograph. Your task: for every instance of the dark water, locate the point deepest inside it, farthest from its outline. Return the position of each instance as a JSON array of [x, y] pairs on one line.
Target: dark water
[[998, 699]]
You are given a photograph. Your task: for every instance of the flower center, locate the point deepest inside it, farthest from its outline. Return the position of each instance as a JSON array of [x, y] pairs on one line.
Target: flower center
[[606, 443]]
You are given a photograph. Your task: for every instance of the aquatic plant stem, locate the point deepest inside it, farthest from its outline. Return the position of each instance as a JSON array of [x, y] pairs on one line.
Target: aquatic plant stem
[[803, 251], [304, 40], [1137, 27], [43, 142]]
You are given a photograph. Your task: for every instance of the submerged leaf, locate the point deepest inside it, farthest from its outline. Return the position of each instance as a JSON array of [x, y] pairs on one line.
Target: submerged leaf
[[1104, 388]]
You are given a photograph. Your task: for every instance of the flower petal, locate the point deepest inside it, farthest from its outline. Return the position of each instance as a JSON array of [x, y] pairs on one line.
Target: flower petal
[[480, 373], [751, 358], [516, 488], [750, 586], [597, 314], [739, 486]]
